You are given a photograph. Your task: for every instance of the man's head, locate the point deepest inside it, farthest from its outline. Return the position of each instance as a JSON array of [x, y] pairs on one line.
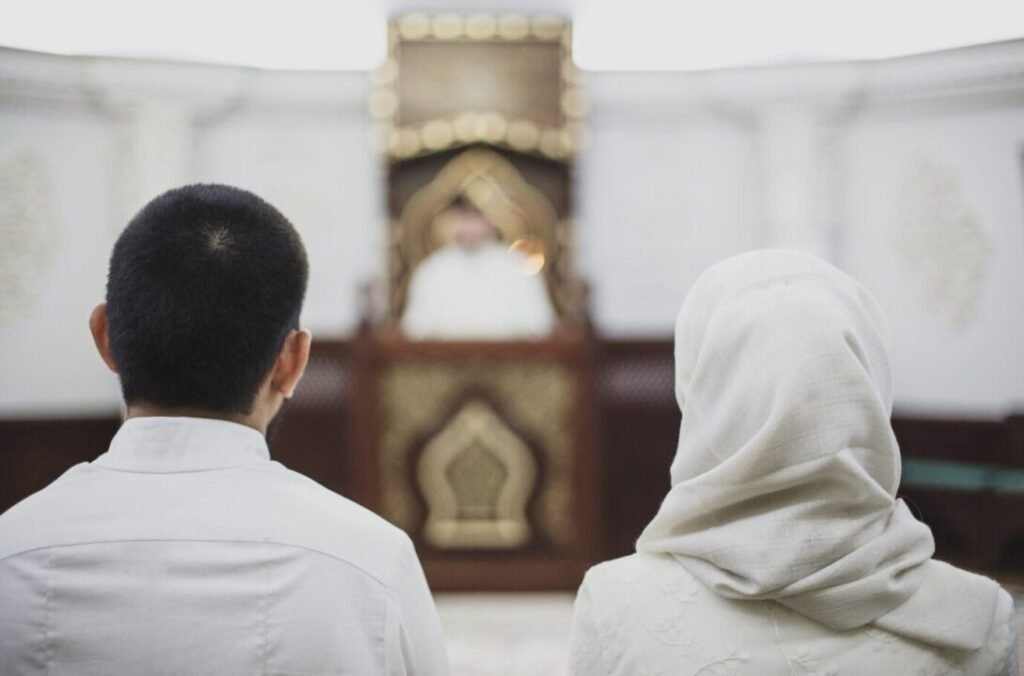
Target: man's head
[[203, 299], [470, 227]]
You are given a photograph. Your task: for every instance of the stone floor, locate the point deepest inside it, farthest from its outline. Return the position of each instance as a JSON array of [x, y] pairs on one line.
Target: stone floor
[[527, 634], [506, 634], [1018, 602]]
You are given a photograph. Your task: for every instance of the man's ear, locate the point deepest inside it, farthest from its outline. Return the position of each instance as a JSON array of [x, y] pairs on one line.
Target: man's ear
[[100, 336], [291, 362]]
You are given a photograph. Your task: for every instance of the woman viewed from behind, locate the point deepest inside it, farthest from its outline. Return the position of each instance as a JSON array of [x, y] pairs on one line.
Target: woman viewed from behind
[[781, 547]]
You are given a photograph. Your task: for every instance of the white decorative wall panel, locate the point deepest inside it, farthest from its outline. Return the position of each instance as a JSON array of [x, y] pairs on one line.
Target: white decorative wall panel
[[935, 227], [28, 229], [48, 365], [943, 246]]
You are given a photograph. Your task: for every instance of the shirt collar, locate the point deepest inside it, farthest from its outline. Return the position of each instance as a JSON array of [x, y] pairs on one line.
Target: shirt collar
[[156, 444]]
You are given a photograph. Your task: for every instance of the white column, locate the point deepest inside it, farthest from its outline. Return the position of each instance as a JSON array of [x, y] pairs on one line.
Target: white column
[[795, 178], [157, 150]]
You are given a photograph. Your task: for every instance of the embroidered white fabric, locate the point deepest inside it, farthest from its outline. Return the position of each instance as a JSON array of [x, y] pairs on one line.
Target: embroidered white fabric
[[645, 615]]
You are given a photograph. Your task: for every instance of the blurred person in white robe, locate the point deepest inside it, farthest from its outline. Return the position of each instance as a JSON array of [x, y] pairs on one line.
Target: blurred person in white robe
[[476, 287], [781, 547]]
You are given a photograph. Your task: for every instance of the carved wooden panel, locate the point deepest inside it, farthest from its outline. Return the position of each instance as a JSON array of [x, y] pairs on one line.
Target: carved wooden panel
[[482, 453]]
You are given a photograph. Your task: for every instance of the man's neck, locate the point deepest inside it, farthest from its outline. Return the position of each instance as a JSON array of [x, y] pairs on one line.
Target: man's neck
[[141, 410]]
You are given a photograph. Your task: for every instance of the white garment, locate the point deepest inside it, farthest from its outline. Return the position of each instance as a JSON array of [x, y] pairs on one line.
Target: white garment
[[784, 483], [480, 294], [185, 550], [645, 614]]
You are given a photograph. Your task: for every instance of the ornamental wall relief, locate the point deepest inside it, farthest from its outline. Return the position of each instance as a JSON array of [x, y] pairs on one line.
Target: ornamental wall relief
[[29, 229], [940, 240], [476, 475]]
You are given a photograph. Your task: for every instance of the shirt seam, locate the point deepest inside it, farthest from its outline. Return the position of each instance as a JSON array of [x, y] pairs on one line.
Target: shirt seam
[[264, 614], [386, 646], [49, 548], [220, 468], [48, 650]]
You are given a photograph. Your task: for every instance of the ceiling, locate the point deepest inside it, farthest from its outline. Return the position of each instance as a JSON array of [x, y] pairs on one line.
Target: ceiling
[[608, 34]]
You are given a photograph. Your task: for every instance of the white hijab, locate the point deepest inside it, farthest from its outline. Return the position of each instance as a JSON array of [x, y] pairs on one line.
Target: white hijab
[[784, 481]]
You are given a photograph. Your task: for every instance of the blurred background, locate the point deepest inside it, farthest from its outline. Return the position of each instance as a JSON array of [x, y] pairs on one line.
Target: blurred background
[[573, 164]]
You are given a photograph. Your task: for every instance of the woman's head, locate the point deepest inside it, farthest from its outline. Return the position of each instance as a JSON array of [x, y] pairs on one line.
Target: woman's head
[[779, 350], [784, 481], [785, 477]]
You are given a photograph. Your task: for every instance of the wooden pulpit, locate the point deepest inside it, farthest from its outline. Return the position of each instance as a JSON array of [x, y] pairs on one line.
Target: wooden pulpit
[[483, 453]]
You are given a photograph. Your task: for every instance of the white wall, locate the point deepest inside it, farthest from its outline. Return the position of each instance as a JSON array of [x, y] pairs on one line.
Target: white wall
[[55, 236], [853, 161], [106, 136], [907, 173], [936, 227], [659, 200]]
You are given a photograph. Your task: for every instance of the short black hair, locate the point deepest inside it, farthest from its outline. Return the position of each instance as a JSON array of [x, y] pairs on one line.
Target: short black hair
[[205, 284]]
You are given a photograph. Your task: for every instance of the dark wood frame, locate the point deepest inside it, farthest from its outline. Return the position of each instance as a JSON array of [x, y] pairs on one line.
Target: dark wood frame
[[527, 569]]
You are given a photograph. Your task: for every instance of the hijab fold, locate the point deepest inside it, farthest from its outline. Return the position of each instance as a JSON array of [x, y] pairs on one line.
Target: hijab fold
[[785, 477]]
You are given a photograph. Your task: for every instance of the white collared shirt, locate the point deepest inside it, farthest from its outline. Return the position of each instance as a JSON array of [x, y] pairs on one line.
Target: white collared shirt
[[185, 550]]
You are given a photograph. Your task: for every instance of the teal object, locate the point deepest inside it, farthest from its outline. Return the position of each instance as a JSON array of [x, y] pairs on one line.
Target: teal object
[[961, 476]]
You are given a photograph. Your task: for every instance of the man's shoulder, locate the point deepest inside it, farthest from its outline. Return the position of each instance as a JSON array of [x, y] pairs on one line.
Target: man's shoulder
[[438, 260], [620, 579], [300, 512], [38, 503], [632, 567], [264, 502], [30, 514], [325, 507]]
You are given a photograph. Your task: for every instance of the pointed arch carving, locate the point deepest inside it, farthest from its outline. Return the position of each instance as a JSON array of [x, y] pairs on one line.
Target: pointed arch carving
[[477, 477], [520, 212]]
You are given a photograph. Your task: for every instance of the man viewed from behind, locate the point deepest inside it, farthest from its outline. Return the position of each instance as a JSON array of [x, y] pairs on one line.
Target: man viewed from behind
[[184, 549]]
